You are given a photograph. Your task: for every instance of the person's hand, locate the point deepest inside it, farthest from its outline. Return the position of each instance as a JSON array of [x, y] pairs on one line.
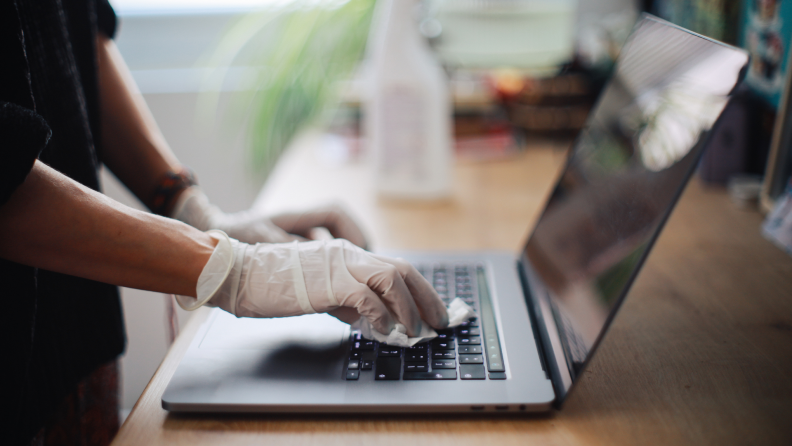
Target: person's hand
[[194, 208], [333, 276], [333, 218]]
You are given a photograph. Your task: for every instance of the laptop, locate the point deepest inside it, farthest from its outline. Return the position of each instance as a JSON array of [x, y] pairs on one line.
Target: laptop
[[540, 314]]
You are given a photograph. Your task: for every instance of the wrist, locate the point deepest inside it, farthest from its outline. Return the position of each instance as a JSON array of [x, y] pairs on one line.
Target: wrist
[[193, 207], [170, 188]]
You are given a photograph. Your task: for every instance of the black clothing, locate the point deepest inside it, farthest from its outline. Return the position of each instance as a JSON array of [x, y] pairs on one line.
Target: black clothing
[[54, 329]]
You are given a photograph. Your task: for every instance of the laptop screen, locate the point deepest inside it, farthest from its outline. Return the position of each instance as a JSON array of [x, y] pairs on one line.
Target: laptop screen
[[623, 177]]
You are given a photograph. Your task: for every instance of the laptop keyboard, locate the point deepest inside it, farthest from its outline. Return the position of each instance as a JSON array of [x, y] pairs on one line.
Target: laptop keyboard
[[466, 352]]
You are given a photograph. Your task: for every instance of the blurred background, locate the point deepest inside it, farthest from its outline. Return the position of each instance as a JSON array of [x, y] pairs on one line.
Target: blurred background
[[233, 82]]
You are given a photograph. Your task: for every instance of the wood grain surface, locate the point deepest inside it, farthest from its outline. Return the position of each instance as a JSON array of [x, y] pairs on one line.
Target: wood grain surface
[[701, 352]]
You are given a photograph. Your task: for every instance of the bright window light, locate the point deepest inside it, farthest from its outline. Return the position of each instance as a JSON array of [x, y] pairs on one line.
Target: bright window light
[[153, 7]]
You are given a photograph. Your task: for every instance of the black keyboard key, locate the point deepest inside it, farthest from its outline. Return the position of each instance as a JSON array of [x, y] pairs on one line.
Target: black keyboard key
[[470, 323], [469, 340], [364, 345], [497, 375], [355, 355], [389, 351], [353, 365], [416, 357], [434, 374], [442, 344], [387, 369], [469, 331], [472, 349], [445, 334], [366, 365], [471, 359], [418, 347], [472, 371], [443, 364], [352, 375], [448, 354], [415, 367]]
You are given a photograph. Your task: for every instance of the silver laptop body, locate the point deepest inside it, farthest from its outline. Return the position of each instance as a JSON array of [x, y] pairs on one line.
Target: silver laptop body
[[541, 315]]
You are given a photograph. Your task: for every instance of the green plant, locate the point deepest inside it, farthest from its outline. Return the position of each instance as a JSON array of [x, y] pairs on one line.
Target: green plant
[[295, 55]]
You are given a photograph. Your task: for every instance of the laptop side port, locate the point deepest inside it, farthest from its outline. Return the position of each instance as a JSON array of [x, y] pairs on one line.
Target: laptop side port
[[476, 407], [501, 407]]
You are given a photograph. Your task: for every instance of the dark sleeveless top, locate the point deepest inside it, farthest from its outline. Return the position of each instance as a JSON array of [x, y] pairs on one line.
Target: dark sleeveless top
[[54, 329]]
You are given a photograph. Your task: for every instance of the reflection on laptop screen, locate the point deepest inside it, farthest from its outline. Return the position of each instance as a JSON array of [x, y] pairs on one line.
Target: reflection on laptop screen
[[625, 172]]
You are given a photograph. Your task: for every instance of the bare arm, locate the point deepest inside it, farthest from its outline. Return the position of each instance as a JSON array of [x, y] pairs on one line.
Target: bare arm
[[55, 223], [132, 145]]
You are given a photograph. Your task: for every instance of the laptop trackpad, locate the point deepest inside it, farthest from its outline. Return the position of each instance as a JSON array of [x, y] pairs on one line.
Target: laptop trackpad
[[309, 346]]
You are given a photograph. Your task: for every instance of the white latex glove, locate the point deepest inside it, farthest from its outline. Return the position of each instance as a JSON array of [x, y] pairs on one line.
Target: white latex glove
[[193, 207], [333, 276]]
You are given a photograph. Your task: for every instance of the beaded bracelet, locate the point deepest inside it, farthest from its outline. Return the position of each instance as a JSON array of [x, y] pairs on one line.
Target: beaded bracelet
[[168, 188]]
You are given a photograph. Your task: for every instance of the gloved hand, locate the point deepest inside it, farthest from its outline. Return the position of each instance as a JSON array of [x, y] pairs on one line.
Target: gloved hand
[[334, 276], [193, 208]]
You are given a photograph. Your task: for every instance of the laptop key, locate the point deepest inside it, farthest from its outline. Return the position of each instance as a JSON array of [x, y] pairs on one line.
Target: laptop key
[[445, 334], [415, 367], [355, 355], [471, 359], [389, 351], [469, 340], [441, 344], [497, 375], [352, 375], [472, 349], [434, 374], [416, 357], [472, 371], [448, 354], [364, 345], [471, 323], [443, 364], [388, 369], [366, 365], [469, 331], [353, 365]]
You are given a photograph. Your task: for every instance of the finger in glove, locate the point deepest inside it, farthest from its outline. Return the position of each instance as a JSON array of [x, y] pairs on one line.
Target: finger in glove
[[385, 279], [428, 302]]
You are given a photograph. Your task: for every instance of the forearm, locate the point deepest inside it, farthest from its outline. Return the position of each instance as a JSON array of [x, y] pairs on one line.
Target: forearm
[[132, 145], [55, 223]]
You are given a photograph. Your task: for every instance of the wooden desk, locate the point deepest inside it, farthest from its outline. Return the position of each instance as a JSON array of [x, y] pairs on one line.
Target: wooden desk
[[701, 352]]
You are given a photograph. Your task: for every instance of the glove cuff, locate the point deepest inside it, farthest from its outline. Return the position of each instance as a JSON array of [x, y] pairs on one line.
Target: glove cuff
[[214, 273]]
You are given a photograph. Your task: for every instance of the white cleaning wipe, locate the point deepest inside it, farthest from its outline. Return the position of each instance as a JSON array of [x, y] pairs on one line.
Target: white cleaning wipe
[[458, 312]]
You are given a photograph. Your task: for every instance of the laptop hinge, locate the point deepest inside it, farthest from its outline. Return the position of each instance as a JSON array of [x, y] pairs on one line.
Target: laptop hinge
[[544, 344], [532, 313]]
